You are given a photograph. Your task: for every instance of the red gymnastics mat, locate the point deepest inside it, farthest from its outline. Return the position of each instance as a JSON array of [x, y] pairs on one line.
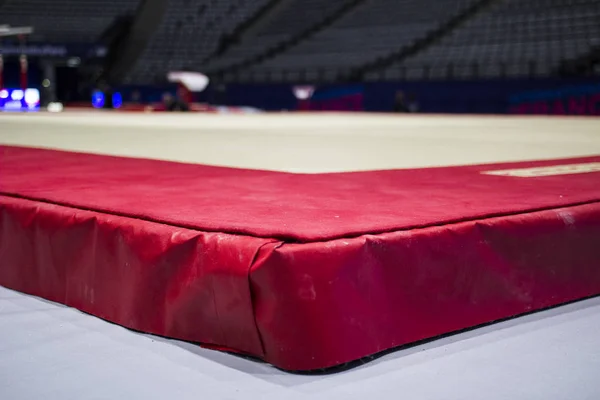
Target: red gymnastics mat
[[304, 271]]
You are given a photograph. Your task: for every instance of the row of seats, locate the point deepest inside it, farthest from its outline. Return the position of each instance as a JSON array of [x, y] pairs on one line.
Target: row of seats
[[189, 33], [372, 30], [512, 38], [65, 20], [297, 17], [508, 39]]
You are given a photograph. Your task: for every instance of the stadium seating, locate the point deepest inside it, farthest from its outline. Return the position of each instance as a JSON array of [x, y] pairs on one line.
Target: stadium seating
[[513, 38], [373, 29], [189, 33], [64, 20], [323, 40], [297, 17]]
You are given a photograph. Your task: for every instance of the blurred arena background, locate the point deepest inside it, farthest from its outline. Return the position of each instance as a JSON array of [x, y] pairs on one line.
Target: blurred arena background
[[442, 56]]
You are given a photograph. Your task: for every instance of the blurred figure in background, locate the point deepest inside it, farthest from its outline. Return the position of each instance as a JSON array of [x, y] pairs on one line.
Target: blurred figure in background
[[413, 104], [184, 95], [400, 104], [172, 103], [405, 104], [136, 97]]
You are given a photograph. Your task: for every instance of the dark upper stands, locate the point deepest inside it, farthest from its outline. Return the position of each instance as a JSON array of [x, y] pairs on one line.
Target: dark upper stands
[[373, 29], [513, 38], [64, 20], [324, 40], [508, 37], [190, 32], [297, 17]]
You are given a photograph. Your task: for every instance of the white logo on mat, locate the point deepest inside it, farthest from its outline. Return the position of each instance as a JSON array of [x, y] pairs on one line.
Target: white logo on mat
[[548, 171]]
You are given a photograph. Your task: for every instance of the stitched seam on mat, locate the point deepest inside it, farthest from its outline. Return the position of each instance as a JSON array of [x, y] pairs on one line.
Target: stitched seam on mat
[[293, 240]]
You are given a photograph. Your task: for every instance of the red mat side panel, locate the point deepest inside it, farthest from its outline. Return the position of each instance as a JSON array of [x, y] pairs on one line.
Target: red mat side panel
[[323, 304], [146, 276]]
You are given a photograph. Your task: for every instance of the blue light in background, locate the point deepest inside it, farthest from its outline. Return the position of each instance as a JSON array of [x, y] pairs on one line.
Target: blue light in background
[[117, 100], [19, 100], [97, 99]]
